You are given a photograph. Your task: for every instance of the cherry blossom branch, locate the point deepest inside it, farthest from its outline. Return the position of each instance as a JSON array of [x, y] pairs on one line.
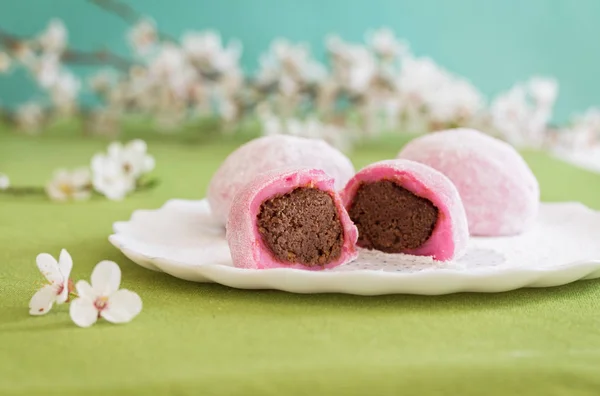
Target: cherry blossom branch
[[127, 14], [73, 56]]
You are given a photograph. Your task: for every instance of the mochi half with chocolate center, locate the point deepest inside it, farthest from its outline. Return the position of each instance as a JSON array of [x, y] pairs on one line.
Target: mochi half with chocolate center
[[291, 218], [402, 206], [270, 153], [499, 191]]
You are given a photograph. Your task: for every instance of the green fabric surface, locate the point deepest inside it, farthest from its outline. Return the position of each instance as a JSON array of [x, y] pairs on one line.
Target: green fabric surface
[[207, 339]]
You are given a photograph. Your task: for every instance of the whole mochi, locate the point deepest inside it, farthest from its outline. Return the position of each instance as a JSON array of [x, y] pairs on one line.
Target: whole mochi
[[268, 153], [450, 236], [499, 192], [245, 242]]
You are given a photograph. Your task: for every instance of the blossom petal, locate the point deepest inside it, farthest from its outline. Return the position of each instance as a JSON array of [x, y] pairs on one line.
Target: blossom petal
[[82, 195], [137, 145], [106, 278], [85, 290], [65, 264], [149, 163], [122, 306], [42, 300], [48, 266], [83, 312], [81, 177], [115, 150], [55, 193]]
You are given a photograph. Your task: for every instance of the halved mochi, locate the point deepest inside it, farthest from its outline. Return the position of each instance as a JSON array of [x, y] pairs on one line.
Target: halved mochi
[[290, 218], [269, 153], [401, 206]]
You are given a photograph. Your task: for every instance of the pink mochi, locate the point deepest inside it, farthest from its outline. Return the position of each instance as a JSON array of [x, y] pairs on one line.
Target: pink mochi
[[245, 242], [450, 235], [268, 153], [500, 193]]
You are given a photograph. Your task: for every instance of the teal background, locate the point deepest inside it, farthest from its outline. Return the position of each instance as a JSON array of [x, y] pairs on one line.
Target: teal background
[[493, 43]]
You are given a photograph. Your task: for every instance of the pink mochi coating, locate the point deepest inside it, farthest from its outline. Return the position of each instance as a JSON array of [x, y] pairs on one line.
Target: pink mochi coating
[[268, 153], [245, 242], [450, 235], [499, 191]]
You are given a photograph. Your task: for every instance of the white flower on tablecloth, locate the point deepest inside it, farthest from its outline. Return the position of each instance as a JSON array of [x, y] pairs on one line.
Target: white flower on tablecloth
[[70, 185], [143, 36], [57, 290], [54, 38], [103, 298], [4, 181], [5, 62], [115, 173]]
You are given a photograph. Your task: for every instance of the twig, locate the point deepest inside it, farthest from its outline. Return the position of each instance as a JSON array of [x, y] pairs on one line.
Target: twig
[[13, 42], [97, 58], [127, 14], [147, 185], [19, 191]]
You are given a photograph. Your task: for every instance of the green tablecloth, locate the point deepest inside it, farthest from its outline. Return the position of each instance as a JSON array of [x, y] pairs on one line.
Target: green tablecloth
[[206, 339]]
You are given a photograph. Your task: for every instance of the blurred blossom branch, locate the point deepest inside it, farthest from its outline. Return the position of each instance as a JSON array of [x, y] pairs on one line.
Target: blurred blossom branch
[[362, 90], [127, 14]]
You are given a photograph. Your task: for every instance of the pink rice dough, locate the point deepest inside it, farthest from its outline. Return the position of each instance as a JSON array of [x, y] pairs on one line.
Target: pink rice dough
[[500, 193], [450, 235], [246, 244], [268, 153]]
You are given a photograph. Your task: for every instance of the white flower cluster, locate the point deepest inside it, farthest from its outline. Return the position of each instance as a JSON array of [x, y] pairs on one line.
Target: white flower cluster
[[172, 81], [100, 299], [522, 114], [113, 174]]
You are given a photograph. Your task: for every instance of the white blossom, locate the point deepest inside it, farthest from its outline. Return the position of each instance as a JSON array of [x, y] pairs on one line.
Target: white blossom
[[70, 185], [385, 43], [29, 116], [65, 90], [47, 70], [103, 298], [143, 36], [289, 66], [446, 97], [4, 182], [543, 90], [115, 173], [57, 290], [54, 38], [110, 179], [169, 61], [5, 62], [102, 81], [521, 115], [354, 66]]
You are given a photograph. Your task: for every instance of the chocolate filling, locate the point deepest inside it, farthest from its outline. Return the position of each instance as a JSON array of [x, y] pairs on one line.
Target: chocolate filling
[[301, 226], [390, 218]]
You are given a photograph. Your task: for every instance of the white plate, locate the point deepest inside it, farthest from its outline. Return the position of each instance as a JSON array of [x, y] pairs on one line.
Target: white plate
[[562, 247]]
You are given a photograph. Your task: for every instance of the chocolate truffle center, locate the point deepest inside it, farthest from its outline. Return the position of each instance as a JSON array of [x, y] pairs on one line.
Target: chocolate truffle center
[[302, 226], [390, 218]]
